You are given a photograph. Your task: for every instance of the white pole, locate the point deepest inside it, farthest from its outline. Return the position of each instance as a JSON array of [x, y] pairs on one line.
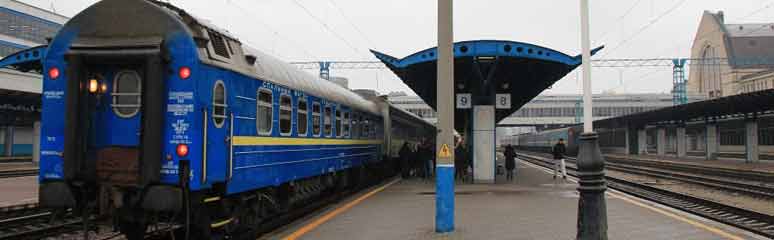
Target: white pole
[[586, 48]]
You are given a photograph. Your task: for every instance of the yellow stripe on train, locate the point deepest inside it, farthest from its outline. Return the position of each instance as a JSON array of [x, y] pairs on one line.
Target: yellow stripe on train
[[280, 141]]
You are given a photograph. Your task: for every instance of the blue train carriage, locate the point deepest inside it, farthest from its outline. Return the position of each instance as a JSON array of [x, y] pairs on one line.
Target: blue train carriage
[[408, 128], [148, 111]]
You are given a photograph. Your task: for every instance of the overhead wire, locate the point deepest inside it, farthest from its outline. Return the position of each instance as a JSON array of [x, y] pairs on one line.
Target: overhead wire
[[645, 27], [620, 19], [327, 27], [253, 17], [351, 23], [707, 34]]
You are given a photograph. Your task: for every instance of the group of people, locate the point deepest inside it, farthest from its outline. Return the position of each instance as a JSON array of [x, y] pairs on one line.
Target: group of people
[[558, 151], [418, 160]]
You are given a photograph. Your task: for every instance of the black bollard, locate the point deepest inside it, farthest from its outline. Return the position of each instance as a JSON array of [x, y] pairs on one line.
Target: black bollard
[[592, 206]]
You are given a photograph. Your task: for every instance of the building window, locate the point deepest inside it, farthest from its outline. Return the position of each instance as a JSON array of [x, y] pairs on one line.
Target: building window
[[25, 27], [327, 121], [302, 117], [285, 113], [265, 113], [126, 93], [316, 119], [219, 104]]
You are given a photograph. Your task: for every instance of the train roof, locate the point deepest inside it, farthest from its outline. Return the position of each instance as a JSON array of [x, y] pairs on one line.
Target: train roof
[[276, 71], [105, 29], [269, 68]]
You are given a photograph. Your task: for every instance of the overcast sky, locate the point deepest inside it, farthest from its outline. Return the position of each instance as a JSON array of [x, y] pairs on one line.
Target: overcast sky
[[312, 30]]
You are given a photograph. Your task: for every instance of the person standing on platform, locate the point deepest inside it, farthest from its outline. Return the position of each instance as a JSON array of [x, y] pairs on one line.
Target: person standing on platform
[[510, 162], [405, 154], [559, 152], [459, 162]]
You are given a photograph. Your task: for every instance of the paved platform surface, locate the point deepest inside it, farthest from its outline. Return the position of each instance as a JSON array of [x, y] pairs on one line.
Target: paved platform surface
[[18, 190], [6, 166], [760, 166], [533, 207]]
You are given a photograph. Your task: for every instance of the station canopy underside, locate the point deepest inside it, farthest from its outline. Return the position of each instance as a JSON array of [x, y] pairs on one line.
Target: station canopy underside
[[484, 68], [746, 104]]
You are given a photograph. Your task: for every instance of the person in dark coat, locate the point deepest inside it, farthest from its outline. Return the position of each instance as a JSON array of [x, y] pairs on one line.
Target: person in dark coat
[[405, 155], [559, 152], [459, 162], [510, 162]]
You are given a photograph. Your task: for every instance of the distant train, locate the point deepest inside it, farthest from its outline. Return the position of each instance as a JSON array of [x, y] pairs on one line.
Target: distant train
[[731, 139], [153, 115], [545, 140]]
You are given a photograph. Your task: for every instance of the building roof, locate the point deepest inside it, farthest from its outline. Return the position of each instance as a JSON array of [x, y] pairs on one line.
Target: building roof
[[748, 103], [749, 45]]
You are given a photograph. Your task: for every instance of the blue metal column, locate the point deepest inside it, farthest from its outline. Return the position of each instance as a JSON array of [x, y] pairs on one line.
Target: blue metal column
[[679, 94], [325, 70]]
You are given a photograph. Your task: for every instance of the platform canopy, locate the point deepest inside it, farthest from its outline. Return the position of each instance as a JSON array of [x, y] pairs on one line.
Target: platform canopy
[[740, 105], [484, 68]]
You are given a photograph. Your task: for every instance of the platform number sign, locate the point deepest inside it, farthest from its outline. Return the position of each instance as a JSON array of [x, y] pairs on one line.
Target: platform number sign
[[464, 100], [503, 101]]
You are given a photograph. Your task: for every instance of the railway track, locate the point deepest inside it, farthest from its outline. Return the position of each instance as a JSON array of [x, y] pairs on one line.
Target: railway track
[[755, 222], [28, 221], [724, 182], [750, 176], [18, 173]]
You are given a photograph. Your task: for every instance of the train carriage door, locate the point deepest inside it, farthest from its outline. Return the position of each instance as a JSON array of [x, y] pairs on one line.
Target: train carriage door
[[218, 121], [113, 120]]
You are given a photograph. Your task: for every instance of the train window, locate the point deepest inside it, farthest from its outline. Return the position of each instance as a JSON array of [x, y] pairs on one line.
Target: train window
[[264, 115], [366, 129], [339, 128], [327, 121], [126, 93], [316, 119], [219, 104], [354, 125], [347, 123], [285, 111], [302, 117]]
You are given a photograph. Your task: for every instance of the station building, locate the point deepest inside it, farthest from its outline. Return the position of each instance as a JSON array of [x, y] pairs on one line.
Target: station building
[[731, 58], [557, 110], [21, 26]]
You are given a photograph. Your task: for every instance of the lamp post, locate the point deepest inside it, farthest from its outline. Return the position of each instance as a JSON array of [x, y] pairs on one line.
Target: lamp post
[[592, 208], [444, 184]]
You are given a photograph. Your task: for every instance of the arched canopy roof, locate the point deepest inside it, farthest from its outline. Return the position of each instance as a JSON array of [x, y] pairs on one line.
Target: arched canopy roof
[[485, 68]]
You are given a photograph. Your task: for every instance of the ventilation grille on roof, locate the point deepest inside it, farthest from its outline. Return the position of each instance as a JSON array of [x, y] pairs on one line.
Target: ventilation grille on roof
[[219, 45]]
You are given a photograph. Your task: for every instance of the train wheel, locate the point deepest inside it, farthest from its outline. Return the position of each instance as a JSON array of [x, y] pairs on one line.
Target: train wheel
[[134, 230]]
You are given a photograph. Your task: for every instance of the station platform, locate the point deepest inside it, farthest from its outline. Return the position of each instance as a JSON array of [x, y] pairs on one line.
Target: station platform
[[14, 166], [18, 190], [534, 206], [763, 166]]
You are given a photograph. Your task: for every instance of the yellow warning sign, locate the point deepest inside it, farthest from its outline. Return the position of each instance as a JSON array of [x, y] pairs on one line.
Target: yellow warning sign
[[445, 152]]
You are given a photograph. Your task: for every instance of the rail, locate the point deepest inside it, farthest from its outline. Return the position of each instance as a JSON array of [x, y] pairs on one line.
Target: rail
[[755, 222]]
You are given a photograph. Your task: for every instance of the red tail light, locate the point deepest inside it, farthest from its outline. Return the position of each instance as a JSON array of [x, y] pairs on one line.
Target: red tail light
[[185, 72], [53, 73], [182, 150]]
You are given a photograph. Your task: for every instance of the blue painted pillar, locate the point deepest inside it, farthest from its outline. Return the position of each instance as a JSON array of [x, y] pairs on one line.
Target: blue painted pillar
[[444, 200]]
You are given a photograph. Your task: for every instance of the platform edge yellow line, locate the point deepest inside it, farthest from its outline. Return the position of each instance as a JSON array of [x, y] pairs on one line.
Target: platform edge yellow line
[[319, 221]]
